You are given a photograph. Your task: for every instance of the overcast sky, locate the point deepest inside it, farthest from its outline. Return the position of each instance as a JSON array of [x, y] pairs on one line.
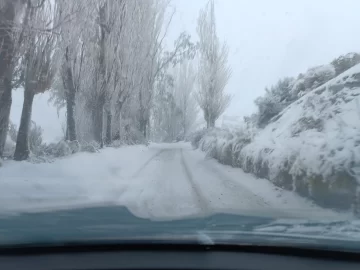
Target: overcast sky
[[270, 39]]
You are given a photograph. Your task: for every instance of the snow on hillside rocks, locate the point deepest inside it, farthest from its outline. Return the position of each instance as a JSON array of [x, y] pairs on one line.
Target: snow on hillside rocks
[[311, 147], [315, 139], [311, 79]]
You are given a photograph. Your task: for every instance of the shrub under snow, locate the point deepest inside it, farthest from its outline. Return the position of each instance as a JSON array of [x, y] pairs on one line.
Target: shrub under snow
[[223, 145], [288, 90]]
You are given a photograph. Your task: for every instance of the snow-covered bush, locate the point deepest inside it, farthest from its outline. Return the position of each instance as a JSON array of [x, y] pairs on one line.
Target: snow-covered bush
[[74, 146], [210, 142], [344, 62], [12, 133], [35, 137], [196, 136], [313, 78], [91, 147], [222, 145], [9, 147], [132, 136], [60, 149], [117, 143], [288, 90], [274, 101]]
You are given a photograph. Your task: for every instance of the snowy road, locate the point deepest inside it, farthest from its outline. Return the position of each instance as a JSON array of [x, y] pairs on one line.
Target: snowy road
[[162, 181]]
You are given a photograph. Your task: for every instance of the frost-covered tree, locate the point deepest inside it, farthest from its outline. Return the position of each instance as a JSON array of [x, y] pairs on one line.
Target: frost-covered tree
[[111, 61], [36, 69], [165, 113], [70, 56], [173, 97], [11, 29], [157, 59], [88, 53], [184, 84], [175, 108], [214, 72], [96, 96]]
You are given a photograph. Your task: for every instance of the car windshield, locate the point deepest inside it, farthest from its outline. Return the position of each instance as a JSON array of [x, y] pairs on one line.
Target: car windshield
[[210, 121]]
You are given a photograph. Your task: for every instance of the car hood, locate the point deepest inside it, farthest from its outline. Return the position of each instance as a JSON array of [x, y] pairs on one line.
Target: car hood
[[117, 224]]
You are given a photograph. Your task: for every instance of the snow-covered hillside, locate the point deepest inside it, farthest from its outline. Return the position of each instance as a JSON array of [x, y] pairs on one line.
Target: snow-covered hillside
[[315, 140], [312, 146]]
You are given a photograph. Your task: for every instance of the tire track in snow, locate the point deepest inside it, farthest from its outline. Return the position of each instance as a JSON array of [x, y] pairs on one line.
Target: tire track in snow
[[139, 171], [198, 194], [233, 186], [229, 184]]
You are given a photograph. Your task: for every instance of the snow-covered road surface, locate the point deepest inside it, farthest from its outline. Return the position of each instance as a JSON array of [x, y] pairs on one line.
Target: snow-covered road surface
[[162, 181]]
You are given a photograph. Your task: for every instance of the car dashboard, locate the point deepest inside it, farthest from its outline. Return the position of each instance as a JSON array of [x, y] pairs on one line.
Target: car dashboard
[[94, 257]]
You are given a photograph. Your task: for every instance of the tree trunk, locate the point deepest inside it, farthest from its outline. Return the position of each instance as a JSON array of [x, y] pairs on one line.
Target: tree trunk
[[5, 107], [22, 150], [67, 133], [70, 116], [142, 120], [108, 127], [99, 110], [98, 123], [211, 122], [145, 133], [184, 125], [117, 132], [7, 17], [70, 100], [142, 127]]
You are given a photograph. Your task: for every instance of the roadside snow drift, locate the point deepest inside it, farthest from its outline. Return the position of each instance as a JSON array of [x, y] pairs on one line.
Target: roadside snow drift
[[76, 180]]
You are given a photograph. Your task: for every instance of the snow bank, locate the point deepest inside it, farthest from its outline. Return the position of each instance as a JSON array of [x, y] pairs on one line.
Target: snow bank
[[311, 147], [223, 145], [81, 179]]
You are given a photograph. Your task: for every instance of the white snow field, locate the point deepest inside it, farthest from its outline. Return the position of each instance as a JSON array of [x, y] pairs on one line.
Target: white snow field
[[161, 181]]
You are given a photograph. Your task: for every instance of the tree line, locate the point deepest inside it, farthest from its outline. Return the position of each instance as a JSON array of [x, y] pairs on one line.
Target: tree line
[[107, 64]]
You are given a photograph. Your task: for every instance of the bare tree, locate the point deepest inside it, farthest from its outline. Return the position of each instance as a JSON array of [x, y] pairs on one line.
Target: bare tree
[[184, 83], [115, 94], [156, 60], [113, 53], [10, 11], [175, 109], [71, 56], [101, 64], [214, 72], [37, 71]]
